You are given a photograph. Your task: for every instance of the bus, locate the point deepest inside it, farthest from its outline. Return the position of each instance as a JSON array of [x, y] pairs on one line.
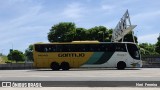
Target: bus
[[78, 54]]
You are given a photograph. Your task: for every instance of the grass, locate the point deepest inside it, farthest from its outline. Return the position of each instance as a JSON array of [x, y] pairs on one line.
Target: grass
[[2, 61]]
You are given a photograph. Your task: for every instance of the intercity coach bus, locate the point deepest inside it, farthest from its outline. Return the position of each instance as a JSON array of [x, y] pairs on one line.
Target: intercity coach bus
[[77, 54]]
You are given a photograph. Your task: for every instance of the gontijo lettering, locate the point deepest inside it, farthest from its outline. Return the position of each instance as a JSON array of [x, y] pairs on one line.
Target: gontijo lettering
[[71, 55]]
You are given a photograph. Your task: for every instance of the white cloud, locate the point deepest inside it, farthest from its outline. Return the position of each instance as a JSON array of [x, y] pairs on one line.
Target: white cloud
[[107, 7], [147, 26], [73, 10], [27, 17], [16, 27], [20, 30], [151, 38], [146, 16]]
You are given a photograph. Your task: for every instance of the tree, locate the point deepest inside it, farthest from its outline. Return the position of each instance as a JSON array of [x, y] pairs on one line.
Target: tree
[[147, 49], [62, 32], [67, 32], [129, 38], [99, 33], [29, 53], [16, 55], [80, 34], [157, 49]]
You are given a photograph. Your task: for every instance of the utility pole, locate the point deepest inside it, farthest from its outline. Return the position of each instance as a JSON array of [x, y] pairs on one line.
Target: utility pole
[[102, 32], [1, 52], [11, 53]]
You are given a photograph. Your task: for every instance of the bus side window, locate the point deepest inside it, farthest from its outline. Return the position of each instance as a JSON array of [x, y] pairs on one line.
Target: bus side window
[[45, 49], [58, 48], [37, 48], [106, 48], [84, 48], [90, 48], [72, 48], [102, 47], [66, 48], [77, 48], [40, 48], [53, 48], [99, 48], [50, 48], [110, 47], [120, 47], [81, 48], [96, 48]]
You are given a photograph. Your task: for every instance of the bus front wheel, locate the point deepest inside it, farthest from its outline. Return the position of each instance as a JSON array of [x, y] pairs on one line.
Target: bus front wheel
[[55, 66], [121, 65], [65, 66]]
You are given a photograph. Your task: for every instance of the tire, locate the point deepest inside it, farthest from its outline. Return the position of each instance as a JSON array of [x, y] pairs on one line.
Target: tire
[[55, 66], [65, 66], [121, 65]]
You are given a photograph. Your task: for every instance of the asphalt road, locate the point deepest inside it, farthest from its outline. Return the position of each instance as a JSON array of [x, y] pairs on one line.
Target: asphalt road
[[100, 77], [103, 74]]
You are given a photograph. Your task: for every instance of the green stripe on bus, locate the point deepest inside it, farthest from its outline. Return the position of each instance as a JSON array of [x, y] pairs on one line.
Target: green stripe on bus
[[104, 58], [95, 57]]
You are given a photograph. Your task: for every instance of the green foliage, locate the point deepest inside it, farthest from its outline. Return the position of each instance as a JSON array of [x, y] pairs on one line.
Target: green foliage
[[16, 55], [29, 53], [99, 33], [157, 49], [147, 49], [2, 61], [62, 32], [67, 31], [4, 58], [129, 38], [80, 34]]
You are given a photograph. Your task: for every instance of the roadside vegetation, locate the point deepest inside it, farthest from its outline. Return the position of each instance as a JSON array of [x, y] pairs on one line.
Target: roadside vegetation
[[4, 59]]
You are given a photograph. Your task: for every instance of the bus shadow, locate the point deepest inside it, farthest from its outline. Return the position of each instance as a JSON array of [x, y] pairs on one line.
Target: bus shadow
[[100, 69], [87, 69]]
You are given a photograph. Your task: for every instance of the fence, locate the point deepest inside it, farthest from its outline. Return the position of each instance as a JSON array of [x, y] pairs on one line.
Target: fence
[[151, 61], [16, 66]]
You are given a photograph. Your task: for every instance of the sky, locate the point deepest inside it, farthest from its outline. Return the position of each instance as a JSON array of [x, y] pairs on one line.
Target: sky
[[24, 22]]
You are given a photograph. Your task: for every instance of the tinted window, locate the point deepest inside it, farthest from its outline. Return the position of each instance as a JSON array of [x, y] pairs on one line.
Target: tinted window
[[103, 47], [39, 48], [133, 51], [110, 47], [45, 48], [120, 47], [78, 48]]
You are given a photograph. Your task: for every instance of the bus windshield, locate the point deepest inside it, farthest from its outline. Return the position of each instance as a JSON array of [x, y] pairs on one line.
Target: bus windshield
[[133, 51]]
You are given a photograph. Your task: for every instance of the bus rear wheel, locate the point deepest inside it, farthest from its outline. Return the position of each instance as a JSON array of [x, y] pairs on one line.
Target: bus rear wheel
[[121, 65], [55, 66], [65, 66]]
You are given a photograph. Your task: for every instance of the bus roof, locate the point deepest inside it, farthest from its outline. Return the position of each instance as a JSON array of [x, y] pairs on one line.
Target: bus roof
[[83, 42]]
